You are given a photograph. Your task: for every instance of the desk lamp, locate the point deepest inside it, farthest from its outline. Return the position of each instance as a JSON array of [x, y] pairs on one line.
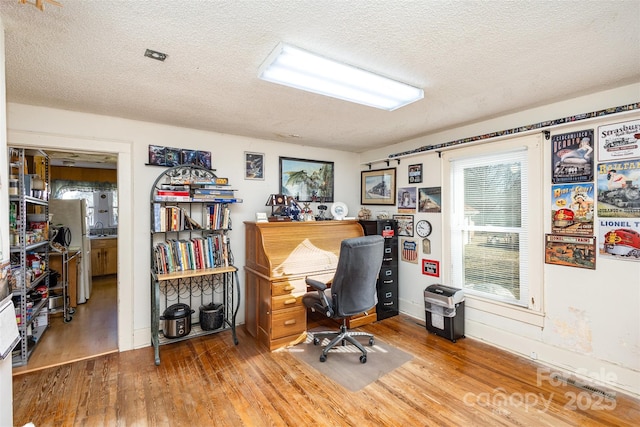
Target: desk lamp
[[277, 201]]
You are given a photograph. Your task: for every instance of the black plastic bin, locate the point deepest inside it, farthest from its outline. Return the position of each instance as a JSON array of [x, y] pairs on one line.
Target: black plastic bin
[[444, 308]]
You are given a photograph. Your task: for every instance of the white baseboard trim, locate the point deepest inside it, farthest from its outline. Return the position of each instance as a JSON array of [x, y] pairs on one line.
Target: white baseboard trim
[[142, 338]]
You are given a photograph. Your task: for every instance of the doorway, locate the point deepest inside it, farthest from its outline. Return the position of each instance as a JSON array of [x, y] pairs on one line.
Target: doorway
[[92, 328]]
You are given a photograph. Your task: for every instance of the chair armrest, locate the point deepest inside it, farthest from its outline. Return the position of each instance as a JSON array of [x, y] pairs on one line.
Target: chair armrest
[[316, 284]]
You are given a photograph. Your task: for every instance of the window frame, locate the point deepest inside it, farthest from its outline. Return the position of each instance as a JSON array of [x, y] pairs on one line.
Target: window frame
[[533, 313]]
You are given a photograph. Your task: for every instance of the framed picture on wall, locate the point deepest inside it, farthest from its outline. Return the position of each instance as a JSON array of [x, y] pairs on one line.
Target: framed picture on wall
[[407, 199], [253, 165], [431, 267], [405, 225], [378, 187], [415, 173], [157, 155], [306, 180]]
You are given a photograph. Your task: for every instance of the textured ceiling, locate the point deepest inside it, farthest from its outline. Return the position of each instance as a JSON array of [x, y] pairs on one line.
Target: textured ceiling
[[474, 59]]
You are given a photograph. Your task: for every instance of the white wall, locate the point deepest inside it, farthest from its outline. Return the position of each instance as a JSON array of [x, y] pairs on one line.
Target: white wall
[[51, 128], [6, 386], [592, 318]]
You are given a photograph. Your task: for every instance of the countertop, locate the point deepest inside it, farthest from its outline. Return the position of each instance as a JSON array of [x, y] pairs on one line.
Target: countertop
[[103, 236]]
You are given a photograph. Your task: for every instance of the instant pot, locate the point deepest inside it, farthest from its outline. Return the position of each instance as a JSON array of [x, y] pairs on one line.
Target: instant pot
[[177, 320]]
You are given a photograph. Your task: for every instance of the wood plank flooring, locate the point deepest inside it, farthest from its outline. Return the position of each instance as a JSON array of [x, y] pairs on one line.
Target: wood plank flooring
[[208, 381], [93, 330]]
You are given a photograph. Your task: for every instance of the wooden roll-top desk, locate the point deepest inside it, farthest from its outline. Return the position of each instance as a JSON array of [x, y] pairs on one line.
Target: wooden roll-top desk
[[279, 255]]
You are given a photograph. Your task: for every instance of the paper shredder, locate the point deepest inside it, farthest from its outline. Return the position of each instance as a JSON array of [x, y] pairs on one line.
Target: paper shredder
[[444, 308]]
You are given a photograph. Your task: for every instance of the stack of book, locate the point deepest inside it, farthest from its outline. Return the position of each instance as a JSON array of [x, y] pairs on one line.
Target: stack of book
[[173, 193], [191, 254], [214, 193]]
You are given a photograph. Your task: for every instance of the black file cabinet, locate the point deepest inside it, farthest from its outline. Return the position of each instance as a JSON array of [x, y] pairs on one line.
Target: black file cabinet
[[388, 278]]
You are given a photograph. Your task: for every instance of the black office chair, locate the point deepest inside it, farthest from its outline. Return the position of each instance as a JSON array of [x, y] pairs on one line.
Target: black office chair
[[353, 290]]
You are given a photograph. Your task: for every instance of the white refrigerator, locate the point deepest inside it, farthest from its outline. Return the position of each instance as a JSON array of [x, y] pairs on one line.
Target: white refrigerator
[[73, 214]]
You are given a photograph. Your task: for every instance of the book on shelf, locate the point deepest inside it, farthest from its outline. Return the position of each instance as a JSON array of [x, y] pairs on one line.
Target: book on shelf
[[210, 181], [172, 193], [175, 187], [215, 199], [158, 198], [213, 192]]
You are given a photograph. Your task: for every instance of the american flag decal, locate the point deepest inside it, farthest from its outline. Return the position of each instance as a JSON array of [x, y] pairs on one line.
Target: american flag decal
[[409, 250]]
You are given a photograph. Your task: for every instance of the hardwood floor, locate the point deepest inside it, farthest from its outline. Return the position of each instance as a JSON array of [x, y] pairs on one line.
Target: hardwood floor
[[208, 381], [92, 331]]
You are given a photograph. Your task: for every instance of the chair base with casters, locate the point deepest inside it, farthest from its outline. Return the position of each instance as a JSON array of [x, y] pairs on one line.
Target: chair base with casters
[[342, 335]]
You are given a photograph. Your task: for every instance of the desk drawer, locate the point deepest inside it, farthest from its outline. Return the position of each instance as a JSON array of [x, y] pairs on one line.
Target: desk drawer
[[298, 285], [286, 301], [285, 287], [288, 322]]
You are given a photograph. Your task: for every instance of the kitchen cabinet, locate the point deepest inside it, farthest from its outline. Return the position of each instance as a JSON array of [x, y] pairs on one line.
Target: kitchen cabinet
[[104, 256]]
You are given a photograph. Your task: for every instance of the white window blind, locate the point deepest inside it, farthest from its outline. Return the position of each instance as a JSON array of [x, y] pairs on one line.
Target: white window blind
[[489, 236]]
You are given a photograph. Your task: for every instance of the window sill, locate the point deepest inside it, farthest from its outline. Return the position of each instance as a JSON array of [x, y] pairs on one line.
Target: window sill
[[521, 314]]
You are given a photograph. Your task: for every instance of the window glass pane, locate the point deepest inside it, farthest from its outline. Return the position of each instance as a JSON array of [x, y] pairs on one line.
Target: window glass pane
[[490, 191], [79, 194], [114, 208], [490, 208], [491, 264]]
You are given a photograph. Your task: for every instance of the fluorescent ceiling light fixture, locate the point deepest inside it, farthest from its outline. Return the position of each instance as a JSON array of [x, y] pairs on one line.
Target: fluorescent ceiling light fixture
[[300, 69]]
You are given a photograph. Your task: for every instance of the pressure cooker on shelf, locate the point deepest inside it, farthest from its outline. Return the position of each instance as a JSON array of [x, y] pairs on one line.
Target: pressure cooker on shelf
[[177, 320]]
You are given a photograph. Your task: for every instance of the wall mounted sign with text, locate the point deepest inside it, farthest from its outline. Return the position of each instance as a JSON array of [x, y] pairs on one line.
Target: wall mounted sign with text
[[431, 267]]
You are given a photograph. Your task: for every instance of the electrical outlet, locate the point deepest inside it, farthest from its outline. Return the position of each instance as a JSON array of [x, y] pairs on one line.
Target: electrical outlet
[[533, 355]]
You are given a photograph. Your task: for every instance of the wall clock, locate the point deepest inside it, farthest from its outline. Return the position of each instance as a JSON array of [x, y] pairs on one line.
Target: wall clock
[[423, 228]]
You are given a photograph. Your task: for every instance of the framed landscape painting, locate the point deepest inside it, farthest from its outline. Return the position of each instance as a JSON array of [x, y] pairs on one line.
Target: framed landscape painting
[[306, 180]]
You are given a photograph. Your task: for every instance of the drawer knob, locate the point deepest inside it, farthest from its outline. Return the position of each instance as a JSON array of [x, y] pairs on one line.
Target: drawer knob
[[289, 288], [290, 322], [290, 301]]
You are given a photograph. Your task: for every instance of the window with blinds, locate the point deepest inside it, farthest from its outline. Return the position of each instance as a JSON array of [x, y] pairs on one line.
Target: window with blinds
[[489, 233]]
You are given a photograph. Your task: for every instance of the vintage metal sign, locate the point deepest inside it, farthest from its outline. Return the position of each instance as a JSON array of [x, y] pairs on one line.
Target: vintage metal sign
[[572, 251], [619, 141], [572, 208], [620, 238], [619, 189], [572, 157]]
